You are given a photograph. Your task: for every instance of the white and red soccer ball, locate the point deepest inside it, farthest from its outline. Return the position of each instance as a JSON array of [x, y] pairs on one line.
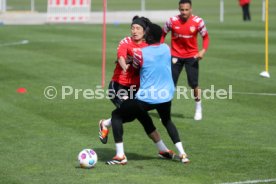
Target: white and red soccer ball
[[87, 158]]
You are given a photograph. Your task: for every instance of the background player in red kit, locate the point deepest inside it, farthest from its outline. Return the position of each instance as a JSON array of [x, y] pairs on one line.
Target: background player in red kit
[[245, 9], [184, 47]]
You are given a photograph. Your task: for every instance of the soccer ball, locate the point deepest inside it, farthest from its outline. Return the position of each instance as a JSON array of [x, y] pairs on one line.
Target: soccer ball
[[87, 158]]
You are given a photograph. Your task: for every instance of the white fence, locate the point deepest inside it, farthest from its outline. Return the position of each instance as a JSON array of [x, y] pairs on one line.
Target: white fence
[[64, 11], [80, 10], [3, 5]]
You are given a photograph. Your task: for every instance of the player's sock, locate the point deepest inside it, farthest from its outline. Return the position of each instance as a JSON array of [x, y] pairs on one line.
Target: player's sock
[[120, 149], [161, 146], [180, 148], [107, 123], [198, 106], [198, 111]]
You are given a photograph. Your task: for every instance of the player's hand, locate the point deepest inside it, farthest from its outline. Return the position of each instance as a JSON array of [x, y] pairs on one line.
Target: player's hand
[[127, 66], [129, 60], [200, 54], [123, 64]]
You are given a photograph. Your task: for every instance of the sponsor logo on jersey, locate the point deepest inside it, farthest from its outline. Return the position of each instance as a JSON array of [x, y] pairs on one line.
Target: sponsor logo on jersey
[[182, 36]]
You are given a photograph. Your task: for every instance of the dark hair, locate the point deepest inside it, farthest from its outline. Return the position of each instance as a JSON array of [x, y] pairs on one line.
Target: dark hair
[[142, 21], [154, 34], [185, 1]]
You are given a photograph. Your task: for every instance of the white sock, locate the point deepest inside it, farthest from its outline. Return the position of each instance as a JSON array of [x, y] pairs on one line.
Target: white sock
[[161, 146], [107, 123], [198, 106], [120, 149], [180, 148]]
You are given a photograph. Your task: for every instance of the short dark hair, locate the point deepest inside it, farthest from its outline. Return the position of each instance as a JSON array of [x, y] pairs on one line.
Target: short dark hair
[[142, 21], [185, 1], [154, 34]]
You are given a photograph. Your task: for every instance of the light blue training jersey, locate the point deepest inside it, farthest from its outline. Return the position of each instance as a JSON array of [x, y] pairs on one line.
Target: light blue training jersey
[[156, 83]]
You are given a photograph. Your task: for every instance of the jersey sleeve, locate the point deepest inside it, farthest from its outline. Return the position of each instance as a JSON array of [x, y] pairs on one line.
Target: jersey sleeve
[[122, 47], [168, 26], [204, 34], [137, 59], [166, 29]]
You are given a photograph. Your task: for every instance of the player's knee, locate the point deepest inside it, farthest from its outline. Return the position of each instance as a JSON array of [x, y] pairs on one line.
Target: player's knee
[[167, 122], [115, 114], [147, 124], [150, 129]]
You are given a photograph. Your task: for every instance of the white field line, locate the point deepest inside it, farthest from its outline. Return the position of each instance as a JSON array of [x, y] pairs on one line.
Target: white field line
[[250, 93], [22, 42], [253, 181]]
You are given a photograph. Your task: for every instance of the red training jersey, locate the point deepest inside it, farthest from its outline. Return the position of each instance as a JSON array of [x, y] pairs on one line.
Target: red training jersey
[[244, 2], [184, 35], [125, 49]]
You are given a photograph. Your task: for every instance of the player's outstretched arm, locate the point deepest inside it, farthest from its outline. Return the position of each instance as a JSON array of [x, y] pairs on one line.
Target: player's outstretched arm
[[123, 64]]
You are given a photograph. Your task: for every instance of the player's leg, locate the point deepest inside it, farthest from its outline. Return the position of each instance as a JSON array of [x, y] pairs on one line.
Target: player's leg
[[247, 12], [244, 12], [117, 94], [104, 124], [165, 115], [192, 70], [164, 111], [177, 66], [127, 112], [113, 89], [138, 109], [117, 128]]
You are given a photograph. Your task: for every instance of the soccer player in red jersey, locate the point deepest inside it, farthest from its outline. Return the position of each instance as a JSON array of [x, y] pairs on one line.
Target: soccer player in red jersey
[[245, 9], [184, 47], [126, 81]]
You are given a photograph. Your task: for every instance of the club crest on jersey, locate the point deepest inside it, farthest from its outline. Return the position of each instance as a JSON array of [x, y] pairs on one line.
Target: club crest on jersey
[[192, 29]]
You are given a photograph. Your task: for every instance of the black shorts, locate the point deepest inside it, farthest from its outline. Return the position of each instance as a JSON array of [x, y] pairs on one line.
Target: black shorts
[[136, 109], [191, 67], [119, 93]]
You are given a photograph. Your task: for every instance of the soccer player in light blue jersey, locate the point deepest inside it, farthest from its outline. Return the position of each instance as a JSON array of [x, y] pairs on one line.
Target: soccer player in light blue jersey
[[156, 92]]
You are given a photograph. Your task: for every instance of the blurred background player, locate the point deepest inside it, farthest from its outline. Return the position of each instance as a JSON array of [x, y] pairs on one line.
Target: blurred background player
[[154, 62], [245, 9], [184, 47], [126, 80]]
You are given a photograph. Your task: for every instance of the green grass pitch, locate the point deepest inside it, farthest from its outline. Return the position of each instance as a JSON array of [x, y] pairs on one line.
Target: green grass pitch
[[40, 138]]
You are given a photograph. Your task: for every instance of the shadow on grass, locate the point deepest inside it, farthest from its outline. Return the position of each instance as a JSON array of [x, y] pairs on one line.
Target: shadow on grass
[[105, 154]]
